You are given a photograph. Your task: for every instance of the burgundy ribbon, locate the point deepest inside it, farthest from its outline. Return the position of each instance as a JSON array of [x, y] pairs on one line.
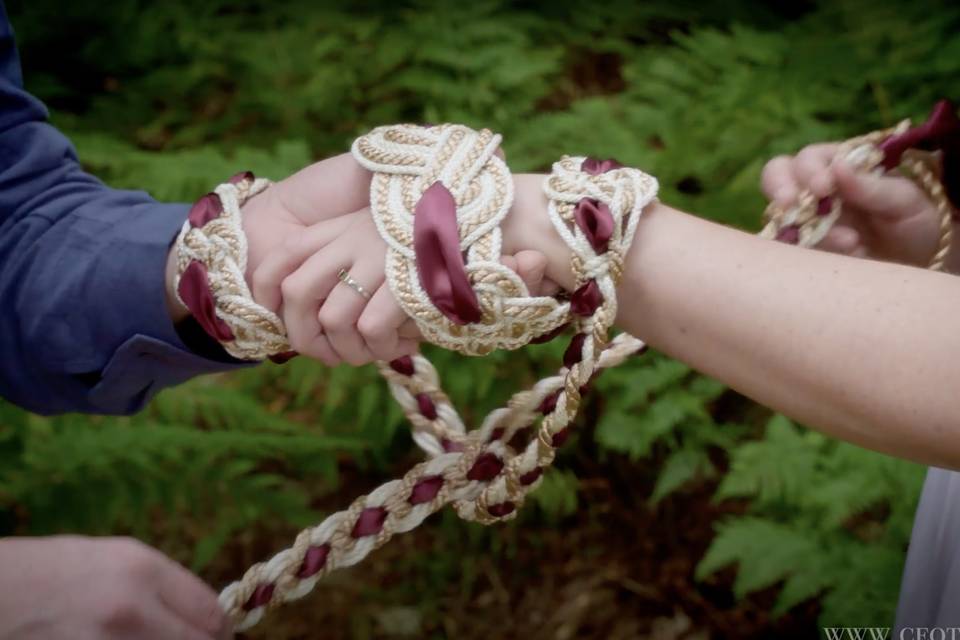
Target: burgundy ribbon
[[941, 132], [595, 167], [586, 299], [204, 210], [237, 178], [436, 243], [194, 290], [596, 222]]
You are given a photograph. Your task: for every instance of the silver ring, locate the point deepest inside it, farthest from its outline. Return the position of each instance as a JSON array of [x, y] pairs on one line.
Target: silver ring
[[346, 279]]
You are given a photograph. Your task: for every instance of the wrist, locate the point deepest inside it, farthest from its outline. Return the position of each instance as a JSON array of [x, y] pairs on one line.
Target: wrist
[[262, 222]]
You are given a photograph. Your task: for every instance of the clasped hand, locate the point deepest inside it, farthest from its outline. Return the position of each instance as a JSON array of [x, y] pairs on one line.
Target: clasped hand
[[306, 229]]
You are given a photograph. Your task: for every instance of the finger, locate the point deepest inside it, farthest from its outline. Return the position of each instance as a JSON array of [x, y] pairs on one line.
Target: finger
[[859, 252], [283, 261], [326, 189], [883, 196], [840, 240], [342, 309], [531, 267], [778, 182], [303, 294], [321, 349], [191, 600], [811, 168], [380, 323]]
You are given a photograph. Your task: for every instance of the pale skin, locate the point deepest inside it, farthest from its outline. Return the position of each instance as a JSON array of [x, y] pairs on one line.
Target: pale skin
[[76, 588]]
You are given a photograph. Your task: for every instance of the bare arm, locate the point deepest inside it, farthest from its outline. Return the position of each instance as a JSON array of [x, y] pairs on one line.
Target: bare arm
[[862, 350]]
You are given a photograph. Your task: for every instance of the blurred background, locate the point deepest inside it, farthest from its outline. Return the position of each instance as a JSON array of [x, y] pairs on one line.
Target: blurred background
[[679, 509]]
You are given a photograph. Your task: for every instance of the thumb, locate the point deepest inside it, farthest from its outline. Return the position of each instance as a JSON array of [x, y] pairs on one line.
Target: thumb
[[882, 196], [531, 266]]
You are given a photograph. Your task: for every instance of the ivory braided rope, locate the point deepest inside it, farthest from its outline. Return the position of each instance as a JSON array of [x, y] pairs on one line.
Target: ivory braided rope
[[405, 161], [477, 471]]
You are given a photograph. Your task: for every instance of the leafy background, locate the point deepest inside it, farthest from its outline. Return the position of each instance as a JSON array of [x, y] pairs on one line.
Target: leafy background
[[680, 509]]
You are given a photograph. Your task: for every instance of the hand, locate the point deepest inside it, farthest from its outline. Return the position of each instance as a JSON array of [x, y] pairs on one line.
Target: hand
[[321, 191], [75, 588], [884, 217], [326, 318]]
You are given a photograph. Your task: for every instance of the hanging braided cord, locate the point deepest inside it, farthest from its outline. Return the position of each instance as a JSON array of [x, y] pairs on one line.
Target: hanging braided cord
[[476, 471]]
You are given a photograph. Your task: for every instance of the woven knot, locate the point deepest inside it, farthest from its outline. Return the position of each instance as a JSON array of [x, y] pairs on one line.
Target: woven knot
[[431, 183]]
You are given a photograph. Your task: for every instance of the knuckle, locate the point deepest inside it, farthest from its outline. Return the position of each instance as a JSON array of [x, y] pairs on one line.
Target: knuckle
[[812, 156], [776, 164], [121, 612], [332, 318], [291, 288], [373, 328]]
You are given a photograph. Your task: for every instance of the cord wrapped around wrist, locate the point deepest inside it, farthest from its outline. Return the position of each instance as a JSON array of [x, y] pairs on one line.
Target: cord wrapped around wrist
[[211, 262]]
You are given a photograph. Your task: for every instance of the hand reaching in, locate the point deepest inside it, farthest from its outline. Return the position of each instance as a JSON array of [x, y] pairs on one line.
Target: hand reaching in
[[883, 217], [74, 588]]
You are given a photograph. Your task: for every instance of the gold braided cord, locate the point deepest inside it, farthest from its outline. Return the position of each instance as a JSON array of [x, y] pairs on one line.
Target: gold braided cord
[[221, 246]]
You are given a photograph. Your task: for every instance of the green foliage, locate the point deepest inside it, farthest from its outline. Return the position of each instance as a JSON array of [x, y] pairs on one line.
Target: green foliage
[[202, 463], [557, 494], [655, 403], [807, 529], [171, 97]]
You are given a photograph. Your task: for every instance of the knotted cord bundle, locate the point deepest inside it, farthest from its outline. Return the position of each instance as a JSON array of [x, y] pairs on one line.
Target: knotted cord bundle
[[438, 196], [428, 181]]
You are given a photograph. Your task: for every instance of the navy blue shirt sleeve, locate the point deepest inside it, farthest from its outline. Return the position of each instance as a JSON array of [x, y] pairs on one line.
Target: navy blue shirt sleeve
[[83, 318]]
